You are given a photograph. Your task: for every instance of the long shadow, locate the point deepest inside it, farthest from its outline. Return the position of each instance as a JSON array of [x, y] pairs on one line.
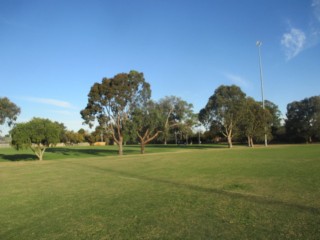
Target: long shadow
[[80, 151], [67, 153], [183, 146], [250, 198], [18, 157]]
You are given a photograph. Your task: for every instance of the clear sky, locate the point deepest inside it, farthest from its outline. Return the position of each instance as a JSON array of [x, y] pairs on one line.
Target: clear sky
[[53, 51]]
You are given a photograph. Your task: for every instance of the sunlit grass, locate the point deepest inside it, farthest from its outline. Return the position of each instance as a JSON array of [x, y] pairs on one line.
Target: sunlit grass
[[262, 193]]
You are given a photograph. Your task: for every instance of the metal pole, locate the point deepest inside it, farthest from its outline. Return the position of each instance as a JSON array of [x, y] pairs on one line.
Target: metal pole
[[259, 43]]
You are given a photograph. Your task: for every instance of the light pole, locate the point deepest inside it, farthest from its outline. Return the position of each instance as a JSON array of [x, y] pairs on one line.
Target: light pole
[[259, 43]]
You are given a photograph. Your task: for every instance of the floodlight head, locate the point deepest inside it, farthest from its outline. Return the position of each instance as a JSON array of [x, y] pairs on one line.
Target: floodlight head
[[258, 43]]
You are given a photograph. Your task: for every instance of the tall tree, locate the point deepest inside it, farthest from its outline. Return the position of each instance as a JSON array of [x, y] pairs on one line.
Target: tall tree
[[275, 122], [8, 111], [37, 134], [225, 109], [174, 112], [255, 121], [303, 119], [112, 101]]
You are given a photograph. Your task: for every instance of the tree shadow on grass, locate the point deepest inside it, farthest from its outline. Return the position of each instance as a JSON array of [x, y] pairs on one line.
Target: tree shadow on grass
[[189, 146], [223, 192], [18, 157], [56, 153], [85, 152]]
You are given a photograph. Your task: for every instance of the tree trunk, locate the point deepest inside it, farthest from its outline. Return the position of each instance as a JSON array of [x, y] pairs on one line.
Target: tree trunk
[[120, 146], [142, 147], [230, 141], [251, 140], [39, 151]]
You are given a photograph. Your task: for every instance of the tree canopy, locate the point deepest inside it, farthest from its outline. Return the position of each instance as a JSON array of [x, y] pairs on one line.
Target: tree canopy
[[8, 111], [37, 134], [255, 121], [303, 119], [146, 123], [224, 109], [112, 102], [175, 111]]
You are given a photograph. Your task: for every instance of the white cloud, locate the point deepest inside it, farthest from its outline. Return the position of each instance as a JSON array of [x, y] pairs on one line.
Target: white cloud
[[52, 102], [237, 80], [316, 9], [294, 42], [63, 112]]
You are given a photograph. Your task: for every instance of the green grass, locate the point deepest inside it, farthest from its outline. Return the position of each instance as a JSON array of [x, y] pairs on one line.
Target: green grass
[[57, 153], [179, 193]]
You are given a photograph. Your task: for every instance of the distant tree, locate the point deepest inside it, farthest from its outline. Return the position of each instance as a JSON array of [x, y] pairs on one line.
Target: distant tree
[[37, 134], [224, 109], [186, 127], [174, 112], [73, 137], [275, 122], [146, 123], [112, 101], [100, 134], [303, 119], [8, 111], [255, 121]]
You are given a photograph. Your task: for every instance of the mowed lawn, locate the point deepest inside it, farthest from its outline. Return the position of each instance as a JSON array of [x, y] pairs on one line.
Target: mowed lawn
[[185, 193]]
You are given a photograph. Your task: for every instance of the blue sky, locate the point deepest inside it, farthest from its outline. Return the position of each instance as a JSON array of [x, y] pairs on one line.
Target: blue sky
[[53, 51]]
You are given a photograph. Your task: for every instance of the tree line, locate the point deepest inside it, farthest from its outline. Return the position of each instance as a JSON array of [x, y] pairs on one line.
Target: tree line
[[123, 111]]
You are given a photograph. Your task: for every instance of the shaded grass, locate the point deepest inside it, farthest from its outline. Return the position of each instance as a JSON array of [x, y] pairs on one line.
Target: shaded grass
[[56, 153], [263, 193]]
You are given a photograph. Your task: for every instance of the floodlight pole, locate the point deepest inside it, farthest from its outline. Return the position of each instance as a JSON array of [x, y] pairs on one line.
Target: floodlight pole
[[259, 43]]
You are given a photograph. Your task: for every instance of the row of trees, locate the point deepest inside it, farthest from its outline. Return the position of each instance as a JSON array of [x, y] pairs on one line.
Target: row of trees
[[122, 106], [123, 111], [231, 114]]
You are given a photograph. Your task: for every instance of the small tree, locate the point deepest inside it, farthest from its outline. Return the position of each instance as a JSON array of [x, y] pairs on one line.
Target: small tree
[[8, 111], [37, 134], [146, 123], [174, 112]]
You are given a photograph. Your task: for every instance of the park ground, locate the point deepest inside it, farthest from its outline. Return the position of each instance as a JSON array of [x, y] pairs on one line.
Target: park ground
[[194, 192]]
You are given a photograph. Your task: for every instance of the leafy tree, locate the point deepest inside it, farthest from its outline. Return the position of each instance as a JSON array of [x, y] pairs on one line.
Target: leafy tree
[[99, 135], [224, 109], [174, 112], [73, 137], [255, 120], [275, 113], [37, 134], [275, 122], [186, 127], [8, 111], [112, 101], [303, 119], [146, 123]]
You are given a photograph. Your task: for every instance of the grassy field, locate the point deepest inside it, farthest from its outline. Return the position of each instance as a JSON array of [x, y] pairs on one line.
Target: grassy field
[[179, 193], [58, 153]]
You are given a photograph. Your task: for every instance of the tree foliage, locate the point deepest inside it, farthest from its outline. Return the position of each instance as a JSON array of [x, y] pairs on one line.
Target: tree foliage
[[175, 111], [112, 101], [256, 121], [146, 123], [224, 109], [37, 134], [303, 119], [8, 111]]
